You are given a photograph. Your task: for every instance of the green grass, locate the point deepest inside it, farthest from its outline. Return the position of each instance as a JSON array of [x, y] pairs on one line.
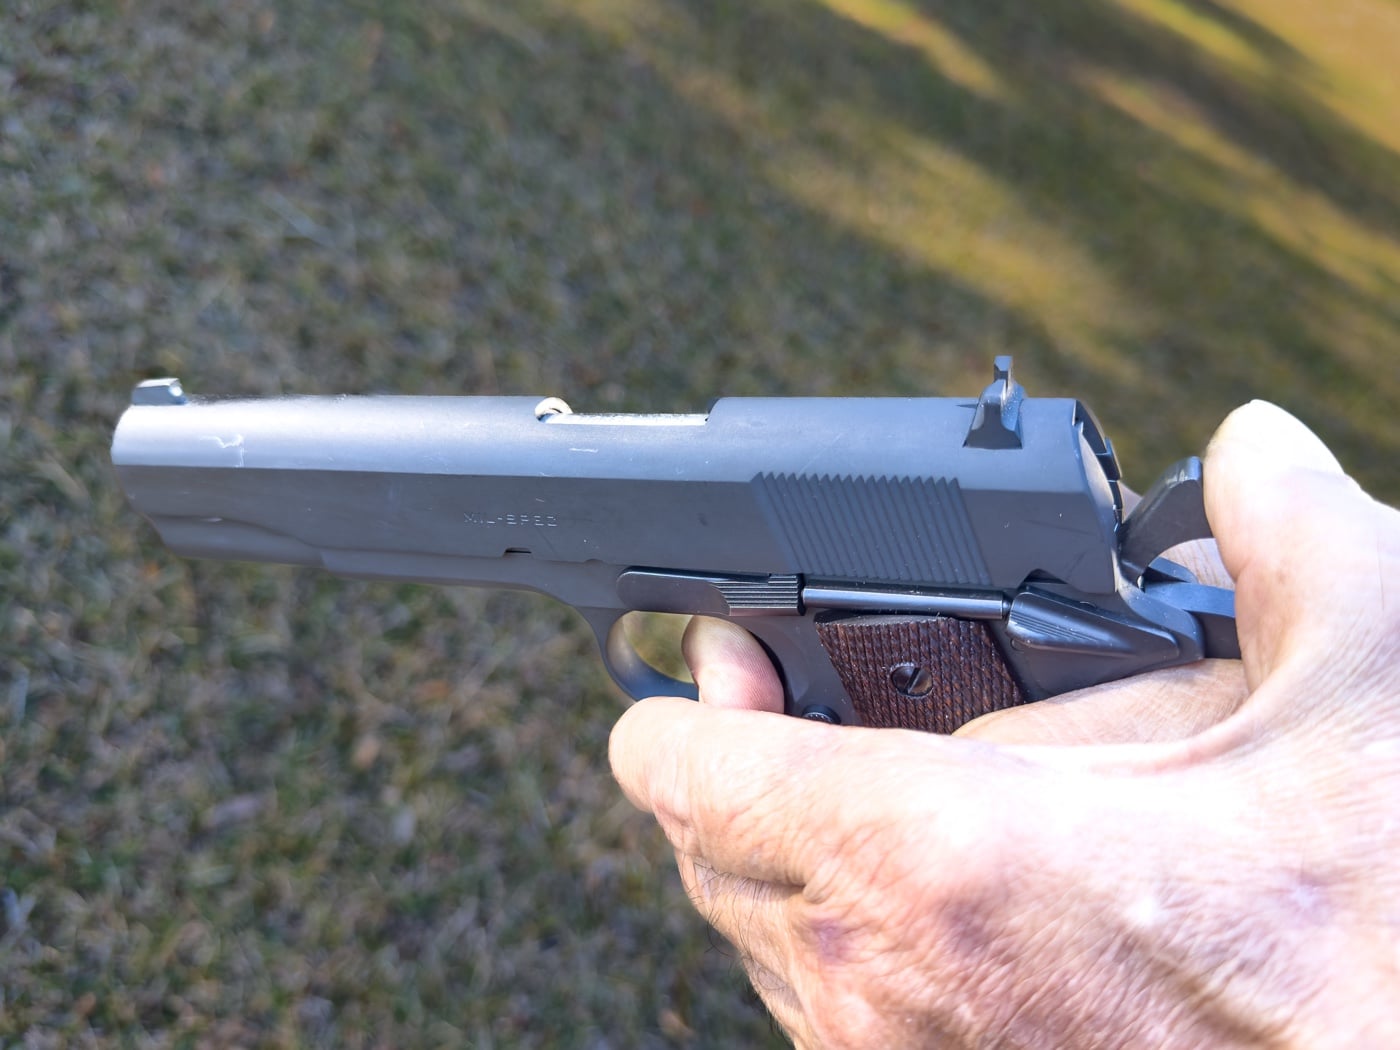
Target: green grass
[[246, 806]]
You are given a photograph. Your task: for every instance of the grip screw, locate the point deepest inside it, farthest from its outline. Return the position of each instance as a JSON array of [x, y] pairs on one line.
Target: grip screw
[[911, 680]]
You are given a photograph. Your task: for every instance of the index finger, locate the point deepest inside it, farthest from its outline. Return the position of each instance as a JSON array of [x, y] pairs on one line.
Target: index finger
[[717, 781], [730, 667], [771, 797]]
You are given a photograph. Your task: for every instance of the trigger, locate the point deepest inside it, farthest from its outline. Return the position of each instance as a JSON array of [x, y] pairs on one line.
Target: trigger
[[1173, 511]]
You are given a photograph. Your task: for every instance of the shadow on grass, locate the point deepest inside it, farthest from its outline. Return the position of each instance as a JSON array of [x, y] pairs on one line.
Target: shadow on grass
[[617, 235], [1232, 304], [644, 259]]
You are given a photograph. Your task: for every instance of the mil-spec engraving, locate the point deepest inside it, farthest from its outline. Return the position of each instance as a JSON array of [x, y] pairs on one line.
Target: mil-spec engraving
[[538, 521]]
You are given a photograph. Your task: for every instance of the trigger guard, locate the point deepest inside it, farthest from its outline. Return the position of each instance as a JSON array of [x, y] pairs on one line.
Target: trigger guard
[[637, 678]]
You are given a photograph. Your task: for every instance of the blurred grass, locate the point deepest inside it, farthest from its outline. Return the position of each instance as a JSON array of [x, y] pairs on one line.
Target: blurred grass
[[255, 807]]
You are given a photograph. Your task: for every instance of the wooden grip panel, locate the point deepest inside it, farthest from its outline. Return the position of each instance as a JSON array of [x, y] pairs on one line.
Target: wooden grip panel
[[933, 673]]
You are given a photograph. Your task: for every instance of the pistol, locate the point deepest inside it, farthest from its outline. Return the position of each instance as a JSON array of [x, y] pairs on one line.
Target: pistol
[[905, 562]]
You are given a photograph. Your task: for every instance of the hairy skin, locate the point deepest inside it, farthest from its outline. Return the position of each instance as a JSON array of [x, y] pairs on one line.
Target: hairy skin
[[1207, 856]]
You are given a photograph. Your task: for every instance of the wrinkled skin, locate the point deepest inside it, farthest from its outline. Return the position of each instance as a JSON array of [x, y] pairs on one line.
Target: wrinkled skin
[[1208, 856]]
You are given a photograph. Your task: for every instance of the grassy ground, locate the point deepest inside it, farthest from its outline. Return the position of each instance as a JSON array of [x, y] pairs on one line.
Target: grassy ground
[[247, 806]]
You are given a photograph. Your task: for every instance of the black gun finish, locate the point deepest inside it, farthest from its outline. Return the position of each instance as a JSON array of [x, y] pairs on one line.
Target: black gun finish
[[787, 515]]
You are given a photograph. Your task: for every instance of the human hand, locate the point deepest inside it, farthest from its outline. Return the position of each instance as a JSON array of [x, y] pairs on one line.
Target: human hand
[[1224, 871]]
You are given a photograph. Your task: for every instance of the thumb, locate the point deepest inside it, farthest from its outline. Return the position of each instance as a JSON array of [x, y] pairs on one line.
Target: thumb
[[1310, 552]]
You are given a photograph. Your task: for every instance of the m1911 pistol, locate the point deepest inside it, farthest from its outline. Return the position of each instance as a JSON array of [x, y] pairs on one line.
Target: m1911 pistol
[[910, 562]]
